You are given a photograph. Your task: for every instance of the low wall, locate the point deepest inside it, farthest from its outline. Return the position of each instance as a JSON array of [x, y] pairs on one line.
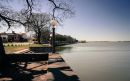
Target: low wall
[[16, 44], [40, 49], [27, 57]]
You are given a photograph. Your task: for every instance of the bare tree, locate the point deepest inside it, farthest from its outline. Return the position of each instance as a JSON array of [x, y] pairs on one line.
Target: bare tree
[[61, 9], [45, 37], [9, 16], [38, 22]]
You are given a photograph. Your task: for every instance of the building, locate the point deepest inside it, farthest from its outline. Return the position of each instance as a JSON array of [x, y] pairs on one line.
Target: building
[[13, 37]]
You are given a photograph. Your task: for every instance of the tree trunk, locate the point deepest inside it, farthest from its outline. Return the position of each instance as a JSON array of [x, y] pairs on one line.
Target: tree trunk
[[39, 37]]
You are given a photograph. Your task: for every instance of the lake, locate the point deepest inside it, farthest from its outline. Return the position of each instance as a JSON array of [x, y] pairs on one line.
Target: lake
[[99, 61]]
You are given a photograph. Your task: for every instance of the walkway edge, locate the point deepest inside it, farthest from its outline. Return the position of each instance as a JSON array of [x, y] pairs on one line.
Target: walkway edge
[[21, 51]]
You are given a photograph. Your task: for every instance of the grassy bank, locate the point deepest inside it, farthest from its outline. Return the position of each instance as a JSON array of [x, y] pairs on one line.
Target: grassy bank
[[39, 45], [11, 49]]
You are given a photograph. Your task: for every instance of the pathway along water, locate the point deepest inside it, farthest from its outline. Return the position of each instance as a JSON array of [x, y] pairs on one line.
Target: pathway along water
[[99, 61]]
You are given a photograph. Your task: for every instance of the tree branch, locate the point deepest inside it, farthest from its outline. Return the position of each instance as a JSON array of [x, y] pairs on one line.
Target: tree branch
[[65, 8], [9, 20]]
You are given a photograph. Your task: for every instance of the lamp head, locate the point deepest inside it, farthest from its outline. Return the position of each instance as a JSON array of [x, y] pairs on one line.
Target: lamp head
[[53, 23]]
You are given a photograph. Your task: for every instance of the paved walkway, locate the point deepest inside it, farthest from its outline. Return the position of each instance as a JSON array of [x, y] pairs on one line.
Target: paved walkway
[[21, 51], [58, 70]]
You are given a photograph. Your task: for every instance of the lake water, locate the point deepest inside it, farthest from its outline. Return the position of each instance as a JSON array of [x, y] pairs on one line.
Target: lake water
[[99, 61]]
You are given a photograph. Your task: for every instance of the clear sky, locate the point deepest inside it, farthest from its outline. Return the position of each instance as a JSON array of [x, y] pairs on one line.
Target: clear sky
[[98, 20]]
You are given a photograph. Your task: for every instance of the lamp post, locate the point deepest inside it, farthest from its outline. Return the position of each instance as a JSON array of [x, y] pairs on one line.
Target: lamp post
[[50, 39], [53, 25]]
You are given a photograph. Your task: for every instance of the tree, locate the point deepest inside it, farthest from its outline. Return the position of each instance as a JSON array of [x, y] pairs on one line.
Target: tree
[[10, 17], [65, 39], [61, 9], [38, 23], [45, 37]]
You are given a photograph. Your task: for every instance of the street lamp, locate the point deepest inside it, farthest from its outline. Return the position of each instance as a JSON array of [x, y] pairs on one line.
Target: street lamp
[[50, 39], [53, 23]]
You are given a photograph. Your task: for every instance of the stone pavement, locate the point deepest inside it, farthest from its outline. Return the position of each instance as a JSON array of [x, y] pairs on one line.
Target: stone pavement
[[55, 69], [58, 70], [21, 51]]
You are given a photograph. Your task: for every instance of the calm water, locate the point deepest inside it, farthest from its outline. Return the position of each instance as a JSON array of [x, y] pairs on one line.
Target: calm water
[[99, 61]]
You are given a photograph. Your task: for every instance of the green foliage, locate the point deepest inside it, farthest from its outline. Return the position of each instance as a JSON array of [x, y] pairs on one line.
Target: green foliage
[[38, 45], [65, 39]]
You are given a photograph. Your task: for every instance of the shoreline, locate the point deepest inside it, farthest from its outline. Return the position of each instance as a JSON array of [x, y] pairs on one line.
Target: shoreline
[[58, 70]]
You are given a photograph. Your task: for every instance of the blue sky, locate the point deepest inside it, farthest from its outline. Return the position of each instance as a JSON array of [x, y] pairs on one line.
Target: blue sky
[[98, 20]]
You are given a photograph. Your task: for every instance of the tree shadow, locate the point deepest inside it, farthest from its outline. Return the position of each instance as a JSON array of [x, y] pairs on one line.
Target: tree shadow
[[62, 73], [19, 73], [60, 76], [16, 67]]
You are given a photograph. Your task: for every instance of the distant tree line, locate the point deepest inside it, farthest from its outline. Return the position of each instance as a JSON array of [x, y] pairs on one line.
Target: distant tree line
[[65, 39], [59, 39]]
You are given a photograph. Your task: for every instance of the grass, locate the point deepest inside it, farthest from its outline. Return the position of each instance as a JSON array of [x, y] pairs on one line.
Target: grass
[[39, 45], [11, 49]]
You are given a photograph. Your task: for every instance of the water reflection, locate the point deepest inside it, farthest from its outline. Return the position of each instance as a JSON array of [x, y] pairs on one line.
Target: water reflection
[[63, 49]]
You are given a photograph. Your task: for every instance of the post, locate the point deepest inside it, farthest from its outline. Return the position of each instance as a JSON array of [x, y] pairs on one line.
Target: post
[[53, 23], [53, 40], [2, 54]]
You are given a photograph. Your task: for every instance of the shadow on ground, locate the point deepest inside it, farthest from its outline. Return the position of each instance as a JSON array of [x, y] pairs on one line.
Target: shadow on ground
[[62, 73], [17, 73], [60, 76], [16, 69]]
